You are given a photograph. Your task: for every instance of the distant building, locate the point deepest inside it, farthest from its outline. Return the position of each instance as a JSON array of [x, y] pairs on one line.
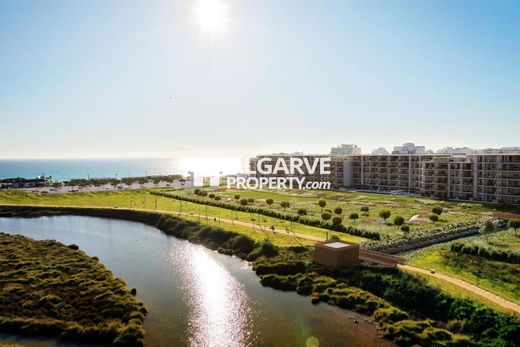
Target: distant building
[[503, 150], [457, 150], [380, 151], [336, 253], [409, 148], [345, 149], [490, 177], [19, 182]]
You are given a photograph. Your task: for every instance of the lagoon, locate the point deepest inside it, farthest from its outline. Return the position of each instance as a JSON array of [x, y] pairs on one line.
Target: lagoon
[[195, 296]]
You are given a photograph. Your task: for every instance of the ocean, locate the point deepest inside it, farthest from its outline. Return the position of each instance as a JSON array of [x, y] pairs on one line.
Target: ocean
[[65, 169]]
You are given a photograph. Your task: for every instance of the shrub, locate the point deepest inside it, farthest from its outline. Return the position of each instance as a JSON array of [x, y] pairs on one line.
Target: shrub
[[337, 220], [268, 249], [338, 210], [434, 218], [243, 202], [405, 228], [326, 216], [242, 244], [353, 216], [398, 220], [302, 212], [364, 209], [322, 203], [437, 210], [269, 202], [385, 214]]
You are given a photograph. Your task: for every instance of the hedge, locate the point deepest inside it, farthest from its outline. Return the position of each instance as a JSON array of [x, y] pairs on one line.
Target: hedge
[[307, 220]]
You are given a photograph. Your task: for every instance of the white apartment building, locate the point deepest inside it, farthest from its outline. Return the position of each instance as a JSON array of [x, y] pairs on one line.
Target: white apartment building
[[345, 149], [409, 148]]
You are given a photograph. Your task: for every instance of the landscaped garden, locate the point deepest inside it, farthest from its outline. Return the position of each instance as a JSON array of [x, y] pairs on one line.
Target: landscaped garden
[[375, 216], [488, 261]]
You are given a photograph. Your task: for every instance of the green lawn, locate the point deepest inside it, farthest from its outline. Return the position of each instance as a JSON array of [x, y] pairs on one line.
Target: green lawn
[[498, 277], [142, 199], [455, 213]]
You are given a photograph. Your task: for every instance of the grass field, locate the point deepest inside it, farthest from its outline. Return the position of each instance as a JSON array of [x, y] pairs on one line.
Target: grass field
[[454, 213], [52, 289], [498, 277], [142, 199]]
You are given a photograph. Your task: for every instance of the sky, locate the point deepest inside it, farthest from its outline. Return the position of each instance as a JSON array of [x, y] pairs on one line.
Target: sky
[[147, 78]]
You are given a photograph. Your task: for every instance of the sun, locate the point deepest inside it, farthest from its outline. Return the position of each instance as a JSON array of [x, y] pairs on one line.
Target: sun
[[212, 16]]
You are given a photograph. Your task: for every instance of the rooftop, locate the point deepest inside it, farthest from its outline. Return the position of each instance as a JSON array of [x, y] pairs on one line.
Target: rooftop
[[336, 244]]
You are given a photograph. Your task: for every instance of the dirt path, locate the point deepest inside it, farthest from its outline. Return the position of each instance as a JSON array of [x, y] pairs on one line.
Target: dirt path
[[468, 286], [458, 282], [251, 225]]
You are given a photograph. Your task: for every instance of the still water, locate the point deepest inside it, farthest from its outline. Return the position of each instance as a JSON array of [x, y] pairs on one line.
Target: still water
[[197, 297]]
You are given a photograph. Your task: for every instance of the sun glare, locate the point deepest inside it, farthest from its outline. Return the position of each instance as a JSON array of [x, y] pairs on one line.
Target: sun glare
[[212, 16]]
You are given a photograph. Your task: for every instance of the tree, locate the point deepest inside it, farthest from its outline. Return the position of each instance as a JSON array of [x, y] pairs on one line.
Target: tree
[[211, 196], [337, 220], [353, 216], [322, 203], [437, 210], [514, 224], [338, 210], [364, 209], [269, 202], [285, 204], [302, 212], [217, 198], [196, 191], [243, 202], [434, 218], [405, 229], [489, 227], [237, 197], [326, 216], [250, 200], [398, 221], [385, 214]]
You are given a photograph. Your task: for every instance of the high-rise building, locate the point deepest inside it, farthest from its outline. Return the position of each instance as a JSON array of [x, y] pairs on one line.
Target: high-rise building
[[491, 178], [380, 151], [409, 148], [345, 149]]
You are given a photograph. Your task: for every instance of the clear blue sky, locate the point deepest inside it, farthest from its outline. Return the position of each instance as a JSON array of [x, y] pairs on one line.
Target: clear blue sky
[[140, 78]]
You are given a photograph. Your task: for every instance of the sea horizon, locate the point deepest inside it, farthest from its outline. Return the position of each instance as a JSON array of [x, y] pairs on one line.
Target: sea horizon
[[64, 169]]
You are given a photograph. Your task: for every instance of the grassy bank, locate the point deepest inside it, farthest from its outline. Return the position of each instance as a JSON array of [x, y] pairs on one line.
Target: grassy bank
[[499, 277], [47, 288], [143, 200], [408, 310]]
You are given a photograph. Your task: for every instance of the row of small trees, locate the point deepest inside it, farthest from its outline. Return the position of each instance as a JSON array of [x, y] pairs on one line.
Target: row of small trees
[[289, 216]]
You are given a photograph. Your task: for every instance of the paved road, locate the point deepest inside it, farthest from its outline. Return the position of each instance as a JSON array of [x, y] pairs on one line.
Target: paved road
[[468, 286]]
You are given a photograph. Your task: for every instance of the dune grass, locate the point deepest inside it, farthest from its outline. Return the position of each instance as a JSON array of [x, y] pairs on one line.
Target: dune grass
[[47, 288]]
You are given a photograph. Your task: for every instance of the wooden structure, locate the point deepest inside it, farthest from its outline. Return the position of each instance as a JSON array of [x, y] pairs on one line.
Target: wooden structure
[[336, 253]]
